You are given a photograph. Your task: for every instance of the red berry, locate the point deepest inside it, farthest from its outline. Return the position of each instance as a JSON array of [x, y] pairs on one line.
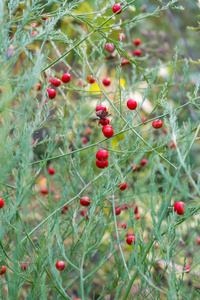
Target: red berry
[[106, 81], [24, 266], [32, 142], [90, 79], [56, 82], [60, 265], [179, 208], [57, 196], [2, 270], [118, 210], [101, 107], [136, 208], [37, 86], [66, 78], [108, 131], [125, 62], [109, 47], [187, 268], [130, 240], [84, 213], [44, 191], [172, 145], [122, 186], [117, 8], [44, 18], [144, 119], [84, 140], [135, 167], [89, 131], [125, 206], [137, 42], [102, 155], [137, 52], [1, 203], [104, 122], [33, 33], [34, 25], [124, 226], [198, 240], [51, 171], [157, 124], [85, 201], [65, 208], [131, 104], [143, 162], [51, 93], [102, 164], [121, 37], [138, 217]]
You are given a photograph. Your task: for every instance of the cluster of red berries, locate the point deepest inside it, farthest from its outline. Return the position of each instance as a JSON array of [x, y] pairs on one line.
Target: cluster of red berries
[[102, 159], [104, 121]]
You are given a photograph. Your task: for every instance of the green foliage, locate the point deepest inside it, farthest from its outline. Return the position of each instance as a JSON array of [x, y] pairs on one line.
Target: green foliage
[[37, 134]]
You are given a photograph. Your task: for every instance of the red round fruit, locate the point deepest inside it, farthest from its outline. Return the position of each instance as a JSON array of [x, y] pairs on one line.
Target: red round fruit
[[130, 240], [157, 124], [108, 131], [137, 42], [34, 25], [51, 93], [102, 164], [84, 140], [172, 145], [106, 81], [64, 209], [37, 86], [124, 226], [122, 186], [135, 167], [57, 196], [101, 107], [1, 203], [24, 267], [109, 47], [118, 210], [66, 78], [143, 162], [84, 213], [136, 208], [144, 119], [60, 265], [56, 82], [131, 104], [179, 208], [90, 79], [104, 122], [121, 37], [89, 131], [102, 155], [44, 18], [51, 171], [33, 33], [198, 240], [44, 191], [85, 201], [117, 8], [138, 217], [2, 270], [125, 62], [187, 269], [137, 52]]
